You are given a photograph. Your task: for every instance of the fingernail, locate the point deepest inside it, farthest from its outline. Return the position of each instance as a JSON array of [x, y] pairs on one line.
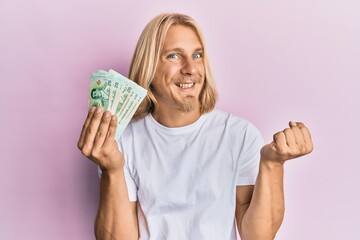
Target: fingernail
[[92, 108], [107, 114], [113, 118], [98, 109], [293, 123]]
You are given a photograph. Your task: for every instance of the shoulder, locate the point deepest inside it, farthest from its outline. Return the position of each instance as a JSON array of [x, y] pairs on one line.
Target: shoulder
[[135, 127], [132, 131], [235, 127], [229, 120]]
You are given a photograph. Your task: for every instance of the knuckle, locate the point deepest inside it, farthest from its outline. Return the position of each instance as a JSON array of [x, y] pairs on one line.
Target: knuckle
[[100, 133], [95, 153], [282, 151], [106, 154], [110, 132], [303, 127], [98, 115], [310, 148], [90, 130], [287, 131], [300, 124], [277, 135], [86, 151], [302, 148], [79, 145]]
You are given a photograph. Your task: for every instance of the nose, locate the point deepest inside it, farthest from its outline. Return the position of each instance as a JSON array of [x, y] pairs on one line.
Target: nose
[[189, 67]]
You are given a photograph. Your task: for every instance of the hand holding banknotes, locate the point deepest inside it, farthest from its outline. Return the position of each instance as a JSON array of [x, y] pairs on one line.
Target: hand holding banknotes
[[97, 140], [117, 94], [113, 100]]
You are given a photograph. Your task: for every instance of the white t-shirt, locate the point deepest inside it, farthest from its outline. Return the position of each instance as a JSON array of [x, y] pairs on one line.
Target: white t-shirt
[[185, 179]]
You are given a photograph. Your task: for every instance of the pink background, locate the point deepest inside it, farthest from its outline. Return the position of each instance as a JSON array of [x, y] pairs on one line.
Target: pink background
[[274, 61]]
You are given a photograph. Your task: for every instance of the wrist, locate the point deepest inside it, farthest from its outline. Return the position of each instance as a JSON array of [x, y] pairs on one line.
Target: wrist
[[112, 173], [112, 167], [271, 165]]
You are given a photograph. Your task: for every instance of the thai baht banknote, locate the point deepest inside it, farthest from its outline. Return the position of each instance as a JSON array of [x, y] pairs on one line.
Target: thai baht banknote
[[117, 94]]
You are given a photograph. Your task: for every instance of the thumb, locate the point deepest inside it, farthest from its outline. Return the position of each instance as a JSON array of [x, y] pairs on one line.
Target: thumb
[[267, 150]]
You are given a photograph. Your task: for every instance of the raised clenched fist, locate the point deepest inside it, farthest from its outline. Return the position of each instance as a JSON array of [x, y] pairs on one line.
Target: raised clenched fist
[[290, 143]]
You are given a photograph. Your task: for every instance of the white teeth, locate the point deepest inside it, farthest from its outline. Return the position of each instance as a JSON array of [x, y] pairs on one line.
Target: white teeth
[[186, 85]]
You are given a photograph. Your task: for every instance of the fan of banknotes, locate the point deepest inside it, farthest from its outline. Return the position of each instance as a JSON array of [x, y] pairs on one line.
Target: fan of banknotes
[[117, 94]]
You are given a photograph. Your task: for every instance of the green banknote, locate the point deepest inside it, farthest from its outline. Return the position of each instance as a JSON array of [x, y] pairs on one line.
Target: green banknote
[[114, 88], [117, 94], [99, 89], [129, 109], [121, 94]]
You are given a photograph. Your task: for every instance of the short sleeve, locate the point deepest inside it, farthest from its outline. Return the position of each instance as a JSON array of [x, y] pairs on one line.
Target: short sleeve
[[130, 182], [249, 156]]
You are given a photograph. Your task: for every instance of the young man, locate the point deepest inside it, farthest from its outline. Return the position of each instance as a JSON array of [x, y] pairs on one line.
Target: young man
[[184, 169]]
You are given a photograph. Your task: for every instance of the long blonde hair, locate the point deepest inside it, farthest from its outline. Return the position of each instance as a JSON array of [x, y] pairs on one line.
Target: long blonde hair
[[146, 57]]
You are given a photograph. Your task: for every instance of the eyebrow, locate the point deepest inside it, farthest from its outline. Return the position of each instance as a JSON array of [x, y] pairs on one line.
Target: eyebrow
[[200, 49]]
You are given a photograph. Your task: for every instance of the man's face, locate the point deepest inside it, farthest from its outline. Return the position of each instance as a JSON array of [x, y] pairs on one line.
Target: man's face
[[180, 73]]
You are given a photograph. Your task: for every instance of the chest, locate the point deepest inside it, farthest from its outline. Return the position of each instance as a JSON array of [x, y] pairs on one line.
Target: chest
[[178, 172]]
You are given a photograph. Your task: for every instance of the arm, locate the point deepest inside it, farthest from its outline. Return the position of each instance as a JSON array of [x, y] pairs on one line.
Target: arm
[[116, 218], [260, 209]]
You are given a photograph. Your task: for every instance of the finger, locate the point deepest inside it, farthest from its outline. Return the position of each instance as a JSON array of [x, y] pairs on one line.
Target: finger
[[306, 146], [306, 133], [92, 130], [296, 124], [292, 124], [300, 124], [102, 131], [290, 137], [304, 130], [299, 138], [280, 140], [85, 126], [110, 136], [307, 138]]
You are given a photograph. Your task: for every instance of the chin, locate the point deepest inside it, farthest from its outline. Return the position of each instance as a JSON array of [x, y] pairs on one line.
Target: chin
[[190, 105]]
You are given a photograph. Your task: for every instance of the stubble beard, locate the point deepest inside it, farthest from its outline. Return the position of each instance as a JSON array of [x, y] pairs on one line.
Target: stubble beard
[[191, 103]]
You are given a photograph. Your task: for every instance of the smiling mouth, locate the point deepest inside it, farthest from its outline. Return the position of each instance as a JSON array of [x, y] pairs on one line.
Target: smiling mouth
[[185, 85]]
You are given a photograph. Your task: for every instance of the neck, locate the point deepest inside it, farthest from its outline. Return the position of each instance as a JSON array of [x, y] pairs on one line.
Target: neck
[[175, 118]]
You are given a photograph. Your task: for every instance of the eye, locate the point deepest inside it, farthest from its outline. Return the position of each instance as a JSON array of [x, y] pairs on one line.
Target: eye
[[173, 56], [196, 55]]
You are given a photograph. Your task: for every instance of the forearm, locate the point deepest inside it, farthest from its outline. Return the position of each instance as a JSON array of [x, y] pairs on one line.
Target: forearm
[[116, 218], [266, 210]]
